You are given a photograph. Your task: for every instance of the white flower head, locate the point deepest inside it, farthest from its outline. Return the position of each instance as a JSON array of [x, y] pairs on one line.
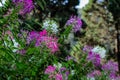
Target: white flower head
[[82, 3], [2, 3], [15, 44], [72, 72], [58, 65], [50, 25], [99, 50]]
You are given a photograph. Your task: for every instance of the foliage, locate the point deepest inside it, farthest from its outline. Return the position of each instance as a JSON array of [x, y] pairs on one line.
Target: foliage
[[29, 48]]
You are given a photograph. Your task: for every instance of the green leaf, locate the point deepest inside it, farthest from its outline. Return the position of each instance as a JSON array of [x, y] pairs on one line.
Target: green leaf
[[41, 4], [21, 66], [65, 34]]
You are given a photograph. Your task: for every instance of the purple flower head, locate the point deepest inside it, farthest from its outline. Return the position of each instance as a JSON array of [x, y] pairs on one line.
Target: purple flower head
[[38, 36], [110, 66], [27, 6], [87, 48], [50, 69], [117, 78], [75, 22], [57, 74], [62, 69], [58, 77], [22, 51], [94, 73], [32, 36], [67, 73], [16, 1], [94, 58], [112, 76], [68, 58]]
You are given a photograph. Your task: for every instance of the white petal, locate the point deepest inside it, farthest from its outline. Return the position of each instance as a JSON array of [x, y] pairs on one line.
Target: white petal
[[82, 3]]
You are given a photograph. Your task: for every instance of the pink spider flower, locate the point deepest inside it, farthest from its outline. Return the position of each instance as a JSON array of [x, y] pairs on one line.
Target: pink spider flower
[[58, 77], [50, 69], [42, 37]]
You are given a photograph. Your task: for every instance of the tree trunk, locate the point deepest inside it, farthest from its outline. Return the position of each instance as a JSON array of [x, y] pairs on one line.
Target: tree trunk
[[118, 43]]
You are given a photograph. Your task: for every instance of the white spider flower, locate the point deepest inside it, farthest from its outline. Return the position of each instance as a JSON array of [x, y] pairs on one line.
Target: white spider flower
[[15, 44], [50, 25], [82, 3], [2, 3], [99, 50], [72, 72], [58, 65]]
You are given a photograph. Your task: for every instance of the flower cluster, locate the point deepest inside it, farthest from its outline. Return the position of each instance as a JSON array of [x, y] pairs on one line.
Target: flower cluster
[[110, 69], [27, 6], [95, 55], [50, 69], [50, 25], [75, 22], [87, 48], [92, 75], [110, 66], [94, 58], [99, 50], [96, 50], [56, 73], [42, 37]]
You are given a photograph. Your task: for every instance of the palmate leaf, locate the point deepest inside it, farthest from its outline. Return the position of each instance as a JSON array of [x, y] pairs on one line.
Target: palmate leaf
[[77, 52], [65, 34], [41, 3], [8, 52], [9, 20]]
